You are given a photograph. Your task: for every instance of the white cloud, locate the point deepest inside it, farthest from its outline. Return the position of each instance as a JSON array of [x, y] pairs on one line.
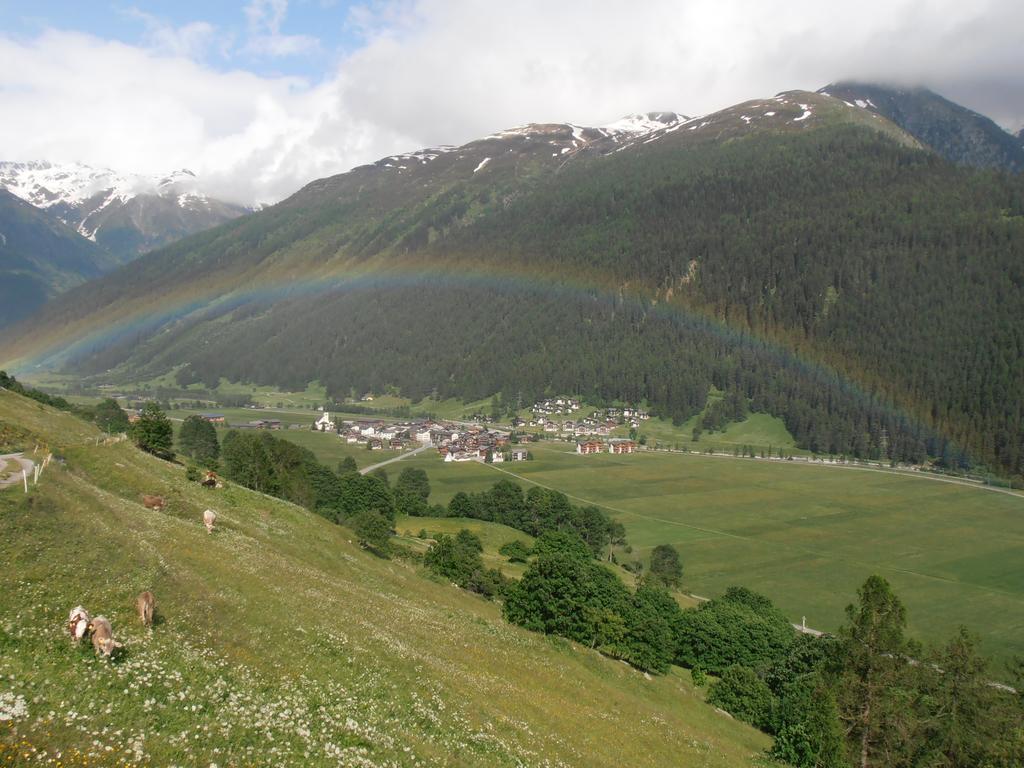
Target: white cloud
[[265, 18], [69, 96], [446, 71], [193, 40]]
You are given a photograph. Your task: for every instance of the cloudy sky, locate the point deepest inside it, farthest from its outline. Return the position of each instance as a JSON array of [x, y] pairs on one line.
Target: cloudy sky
[[260, 97]]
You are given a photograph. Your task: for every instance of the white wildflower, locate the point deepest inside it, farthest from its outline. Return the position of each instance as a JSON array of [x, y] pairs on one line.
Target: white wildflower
[[12, 707]]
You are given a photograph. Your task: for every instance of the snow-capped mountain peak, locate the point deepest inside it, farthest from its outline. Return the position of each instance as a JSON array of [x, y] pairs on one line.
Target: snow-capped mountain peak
[[153, 210], [643, 123]]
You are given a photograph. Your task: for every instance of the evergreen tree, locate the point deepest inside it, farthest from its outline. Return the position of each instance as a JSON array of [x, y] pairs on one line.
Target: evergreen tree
[[247, 461], [873, 696], [198, 440], [153, 432], [962, 719], [808, 733]]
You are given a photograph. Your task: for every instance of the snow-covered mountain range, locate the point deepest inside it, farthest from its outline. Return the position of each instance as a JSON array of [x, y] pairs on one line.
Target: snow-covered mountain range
[[126, 213]]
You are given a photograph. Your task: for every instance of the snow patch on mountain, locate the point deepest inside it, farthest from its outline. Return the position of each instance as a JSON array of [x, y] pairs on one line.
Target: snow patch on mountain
[[643, 123], [75, 185]]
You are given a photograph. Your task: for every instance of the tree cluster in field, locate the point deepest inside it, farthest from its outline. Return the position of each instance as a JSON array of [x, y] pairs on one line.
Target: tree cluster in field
[[720, 413], [458, 559], [366, 503], [566, 592], [537, 511]]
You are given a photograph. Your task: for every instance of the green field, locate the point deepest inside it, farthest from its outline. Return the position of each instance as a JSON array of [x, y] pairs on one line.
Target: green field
[[806, 535], [759, 431], [279, 642]]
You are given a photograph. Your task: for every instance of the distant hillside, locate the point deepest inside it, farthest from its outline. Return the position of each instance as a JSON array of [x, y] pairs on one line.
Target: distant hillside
[[127, 214], [279, 642], [39, 257], [955, 132], [798, 250]]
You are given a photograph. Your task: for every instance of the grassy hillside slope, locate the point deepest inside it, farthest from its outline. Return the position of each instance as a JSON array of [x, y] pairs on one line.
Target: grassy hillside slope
[[279, 642]]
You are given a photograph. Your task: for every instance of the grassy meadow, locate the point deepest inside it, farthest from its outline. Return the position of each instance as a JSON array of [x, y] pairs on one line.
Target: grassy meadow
[[805, 535], [492, 536], [279, 642]]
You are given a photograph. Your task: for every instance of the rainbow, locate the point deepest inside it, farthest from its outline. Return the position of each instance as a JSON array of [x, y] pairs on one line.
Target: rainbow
[[221, 296]]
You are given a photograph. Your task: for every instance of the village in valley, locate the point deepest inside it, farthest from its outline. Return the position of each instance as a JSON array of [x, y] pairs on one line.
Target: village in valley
[[481, 439]]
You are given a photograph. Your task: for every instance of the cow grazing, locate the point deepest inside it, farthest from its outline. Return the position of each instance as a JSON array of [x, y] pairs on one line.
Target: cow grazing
[[153, 502], [145, 605], [103, 637], [78, 623], [209, 517]]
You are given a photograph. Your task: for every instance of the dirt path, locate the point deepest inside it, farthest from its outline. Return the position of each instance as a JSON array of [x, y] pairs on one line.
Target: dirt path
[[11, 465], [413, 452]]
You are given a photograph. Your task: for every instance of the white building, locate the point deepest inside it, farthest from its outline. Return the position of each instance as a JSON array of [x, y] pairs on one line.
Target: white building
[[324, 423]]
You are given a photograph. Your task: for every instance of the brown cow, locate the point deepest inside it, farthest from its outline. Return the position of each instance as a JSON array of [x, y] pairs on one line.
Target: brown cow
[[153, 502], [145, 605], [210, 481], [103, 637]]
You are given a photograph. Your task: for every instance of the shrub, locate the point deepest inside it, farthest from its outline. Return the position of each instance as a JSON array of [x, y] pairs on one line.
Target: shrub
[[744, 695], [699, 677], [515, 551], [372, 530], [741, 627]]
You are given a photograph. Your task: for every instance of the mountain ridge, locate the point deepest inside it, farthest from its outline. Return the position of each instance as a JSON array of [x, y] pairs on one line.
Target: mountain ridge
[[127, 214], [959, 134]]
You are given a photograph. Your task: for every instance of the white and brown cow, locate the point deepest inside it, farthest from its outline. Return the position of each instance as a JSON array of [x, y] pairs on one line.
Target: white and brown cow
[[209, 518], [78, 623]]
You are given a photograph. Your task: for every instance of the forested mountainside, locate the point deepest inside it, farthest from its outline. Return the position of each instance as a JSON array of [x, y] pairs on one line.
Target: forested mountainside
[[958, 134], [802, 251], [39, 256]]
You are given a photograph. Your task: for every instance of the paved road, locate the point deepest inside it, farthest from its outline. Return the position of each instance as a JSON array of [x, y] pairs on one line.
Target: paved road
[[413, 452], [12, 475]]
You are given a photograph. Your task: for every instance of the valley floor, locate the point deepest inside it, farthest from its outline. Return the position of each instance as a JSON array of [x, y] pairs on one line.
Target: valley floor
[[805, 534]]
